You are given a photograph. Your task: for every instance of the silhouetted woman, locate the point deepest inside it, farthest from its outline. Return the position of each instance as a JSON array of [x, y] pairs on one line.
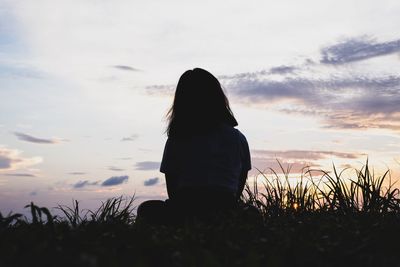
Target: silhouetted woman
[[205, 160]]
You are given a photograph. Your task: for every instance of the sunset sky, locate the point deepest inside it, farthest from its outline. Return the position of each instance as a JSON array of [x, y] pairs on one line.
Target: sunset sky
[[85, 85]]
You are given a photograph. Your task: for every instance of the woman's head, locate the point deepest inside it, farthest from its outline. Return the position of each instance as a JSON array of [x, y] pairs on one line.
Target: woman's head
[[199, 104]]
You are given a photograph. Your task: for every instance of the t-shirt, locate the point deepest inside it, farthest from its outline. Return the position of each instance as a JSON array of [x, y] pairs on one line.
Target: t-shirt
[[215, 158]]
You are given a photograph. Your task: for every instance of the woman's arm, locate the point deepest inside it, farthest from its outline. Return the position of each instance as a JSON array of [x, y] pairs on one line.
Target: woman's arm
[[244, 152], [171, 185], [242, 182]]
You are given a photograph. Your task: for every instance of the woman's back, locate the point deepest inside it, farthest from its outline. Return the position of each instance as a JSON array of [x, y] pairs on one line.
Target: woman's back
[[212, 159]]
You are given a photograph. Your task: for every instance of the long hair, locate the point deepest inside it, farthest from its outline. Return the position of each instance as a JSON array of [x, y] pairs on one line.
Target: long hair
[[199, 105]]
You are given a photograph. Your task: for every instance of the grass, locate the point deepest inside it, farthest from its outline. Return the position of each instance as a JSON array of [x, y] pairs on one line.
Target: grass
[[366, 193], [322, 220]]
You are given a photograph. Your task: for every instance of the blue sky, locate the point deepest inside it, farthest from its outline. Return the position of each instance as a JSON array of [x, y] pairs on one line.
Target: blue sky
[[85, 85]]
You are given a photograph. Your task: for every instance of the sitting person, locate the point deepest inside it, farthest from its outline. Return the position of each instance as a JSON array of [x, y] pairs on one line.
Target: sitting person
[[205, 160]]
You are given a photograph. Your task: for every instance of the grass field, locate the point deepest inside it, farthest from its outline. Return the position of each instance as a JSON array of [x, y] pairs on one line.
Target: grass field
[[320, 221]]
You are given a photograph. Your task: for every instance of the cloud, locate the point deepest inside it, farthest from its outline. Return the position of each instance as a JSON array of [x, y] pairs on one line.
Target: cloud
[[295, 160], [282, 69], [291, 166], [124, 158], [147, 165], [242, 75], [356, 102], [259, 90], [125, 67], [151, 181], [32, 139], [77, 173], [133, 137], [115, 180], [304, 154], [10, 159], [20, 174], [112, 168], [356, 49], [346, 166], [313, 91], [157, 89], [84, 183]]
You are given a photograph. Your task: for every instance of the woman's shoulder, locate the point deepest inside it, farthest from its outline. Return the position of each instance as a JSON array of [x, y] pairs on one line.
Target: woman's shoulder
[[234, 133], [242, 137]]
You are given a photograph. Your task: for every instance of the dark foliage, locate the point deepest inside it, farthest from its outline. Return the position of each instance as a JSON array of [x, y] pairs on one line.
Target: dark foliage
[[322, 222]]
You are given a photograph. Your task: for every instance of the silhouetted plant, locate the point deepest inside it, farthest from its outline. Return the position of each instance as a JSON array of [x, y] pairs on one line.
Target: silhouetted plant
[[72, 214], [115, 210], [6, 221], [330, 192], [364, 194], [36, 213]]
